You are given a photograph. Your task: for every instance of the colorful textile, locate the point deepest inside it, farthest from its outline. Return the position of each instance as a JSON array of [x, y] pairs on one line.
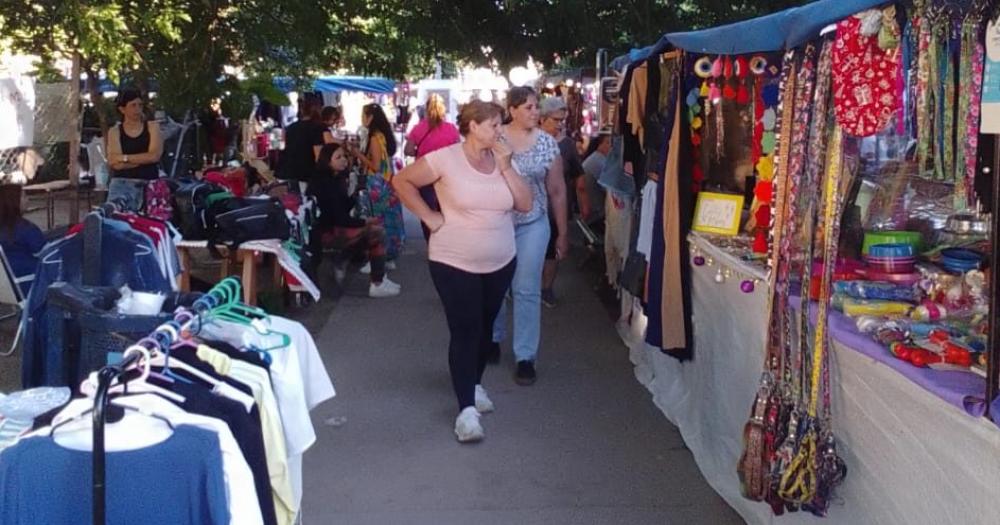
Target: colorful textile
[[385, 204], [864, 78]]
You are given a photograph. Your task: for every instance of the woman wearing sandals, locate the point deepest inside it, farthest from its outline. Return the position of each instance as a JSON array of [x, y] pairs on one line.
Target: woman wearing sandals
[[472, 249]]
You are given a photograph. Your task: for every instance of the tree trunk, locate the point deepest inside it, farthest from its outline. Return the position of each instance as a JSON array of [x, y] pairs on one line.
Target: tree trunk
[[74, 142]]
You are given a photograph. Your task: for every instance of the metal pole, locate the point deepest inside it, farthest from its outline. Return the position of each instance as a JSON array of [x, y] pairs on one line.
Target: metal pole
[[993, 356]]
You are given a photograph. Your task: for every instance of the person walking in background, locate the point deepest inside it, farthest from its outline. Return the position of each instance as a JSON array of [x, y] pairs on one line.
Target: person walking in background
[[553, 114], [472, 249], [536, 156], [336, 229], [21, 239], [589, 194], [432, 133], [333, 118], [303, 140], [377, 164]]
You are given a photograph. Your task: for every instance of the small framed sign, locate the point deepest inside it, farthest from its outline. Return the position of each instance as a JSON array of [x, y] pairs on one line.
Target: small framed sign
[[718, 213]]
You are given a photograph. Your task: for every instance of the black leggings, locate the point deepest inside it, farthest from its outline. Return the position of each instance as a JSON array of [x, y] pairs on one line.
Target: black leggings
[[471, 303]]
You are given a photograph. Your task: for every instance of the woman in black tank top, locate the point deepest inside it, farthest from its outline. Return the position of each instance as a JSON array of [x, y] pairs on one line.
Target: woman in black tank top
[[134, 145]]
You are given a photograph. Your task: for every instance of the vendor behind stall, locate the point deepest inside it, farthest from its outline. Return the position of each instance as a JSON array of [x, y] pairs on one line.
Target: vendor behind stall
[[134, 145]]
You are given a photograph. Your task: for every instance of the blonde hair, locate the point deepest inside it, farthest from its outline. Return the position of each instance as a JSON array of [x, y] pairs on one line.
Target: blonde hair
[[436, 110], [477, 111]]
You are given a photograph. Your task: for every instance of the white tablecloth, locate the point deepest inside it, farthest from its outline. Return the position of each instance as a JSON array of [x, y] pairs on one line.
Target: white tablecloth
[[911, 457], [285, 259]]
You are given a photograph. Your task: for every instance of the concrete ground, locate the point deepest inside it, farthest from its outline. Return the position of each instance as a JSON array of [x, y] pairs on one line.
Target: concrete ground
[[584, 445]]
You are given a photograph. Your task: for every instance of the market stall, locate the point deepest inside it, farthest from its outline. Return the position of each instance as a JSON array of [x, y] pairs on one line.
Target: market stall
[[845, 130]]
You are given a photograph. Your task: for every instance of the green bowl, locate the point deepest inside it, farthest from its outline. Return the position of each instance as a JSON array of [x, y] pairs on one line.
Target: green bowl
[[891, 237]]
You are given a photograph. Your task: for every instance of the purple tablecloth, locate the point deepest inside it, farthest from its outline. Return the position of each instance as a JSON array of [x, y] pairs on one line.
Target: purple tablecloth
[[962, 389]]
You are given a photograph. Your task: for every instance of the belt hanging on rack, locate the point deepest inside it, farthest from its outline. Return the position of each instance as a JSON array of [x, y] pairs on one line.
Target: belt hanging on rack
[[753, 467]]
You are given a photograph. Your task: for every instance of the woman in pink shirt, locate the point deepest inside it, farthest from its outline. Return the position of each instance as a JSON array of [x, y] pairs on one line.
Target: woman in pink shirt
[[472, 250], [431, 134]]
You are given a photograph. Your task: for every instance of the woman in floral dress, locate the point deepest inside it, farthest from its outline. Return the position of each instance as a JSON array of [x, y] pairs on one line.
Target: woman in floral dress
[[377, 162]]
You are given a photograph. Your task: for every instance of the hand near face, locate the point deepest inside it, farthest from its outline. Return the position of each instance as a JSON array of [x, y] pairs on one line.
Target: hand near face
[[502, 153]]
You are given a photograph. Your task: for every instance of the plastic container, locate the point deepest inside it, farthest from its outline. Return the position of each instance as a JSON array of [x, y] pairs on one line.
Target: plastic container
[[891, 250], [912, 238]]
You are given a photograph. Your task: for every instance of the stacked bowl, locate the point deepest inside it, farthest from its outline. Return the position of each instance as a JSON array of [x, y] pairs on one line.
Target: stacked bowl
[[891, 262], [961, 260]]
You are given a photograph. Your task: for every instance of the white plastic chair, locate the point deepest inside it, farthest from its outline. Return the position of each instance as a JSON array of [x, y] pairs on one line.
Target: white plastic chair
[[10, 293]]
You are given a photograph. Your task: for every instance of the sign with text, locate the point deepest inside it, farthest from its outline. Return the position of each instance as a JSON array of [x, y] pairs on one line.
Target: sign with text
[[991, 82], [718, 213]]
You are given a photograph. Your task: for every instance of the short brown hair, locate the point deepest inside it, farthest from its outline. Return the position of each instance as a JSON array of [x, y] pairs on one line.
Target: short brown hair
[[477, 111]]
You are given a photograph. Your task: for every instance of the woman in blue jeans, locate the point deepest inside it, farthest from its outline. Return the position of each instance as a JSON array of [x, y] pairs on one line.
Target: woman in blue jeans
[[536, 156]]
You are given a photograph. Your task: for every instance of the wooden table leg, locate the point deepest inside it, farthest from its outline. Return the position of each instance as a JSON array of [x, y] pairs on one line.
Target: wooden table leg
[[249, 278], [185, 276], [279, 274]]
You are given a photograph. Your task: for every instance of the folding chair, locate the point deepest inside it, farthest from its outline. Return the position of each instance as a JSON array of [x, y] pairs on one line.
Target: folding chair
[[10, 293]]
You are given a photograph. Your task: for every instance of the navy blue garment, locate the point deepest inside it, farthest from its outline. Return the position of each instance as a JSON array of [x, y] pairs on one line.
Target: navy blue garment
[[21, 248], [127, 257], [176, 482], [246, 430]]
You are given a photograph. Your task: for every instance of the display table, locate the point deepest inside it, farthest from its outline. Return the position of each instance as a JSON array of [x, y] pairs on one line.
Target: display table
[[247, 254], [912, 456]]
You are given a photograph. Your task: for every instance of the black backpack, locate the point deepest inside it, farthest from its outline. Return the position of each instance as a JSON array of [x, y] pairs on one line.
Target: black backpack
[[190, 200], [233, 221]]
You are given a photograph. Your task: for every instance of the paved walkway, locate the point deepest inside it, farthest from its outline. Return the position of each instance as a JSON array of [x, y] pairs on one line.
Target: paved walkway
[[585, 445]]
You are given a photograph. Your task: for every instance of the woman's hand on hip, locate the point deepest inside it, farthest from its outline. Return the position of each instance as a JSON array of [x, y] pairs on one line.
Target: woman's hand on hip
[[434, 221]]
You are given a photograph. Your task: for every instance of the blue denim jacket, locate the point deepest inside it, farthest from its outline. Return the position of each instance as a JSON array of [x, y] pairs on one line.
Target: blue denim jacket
[[127, 257]]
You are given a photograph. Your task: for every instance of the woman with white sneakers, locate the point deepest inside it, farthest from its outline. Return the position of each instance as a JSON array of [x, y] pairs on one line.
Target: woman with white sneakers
[[472, 250]]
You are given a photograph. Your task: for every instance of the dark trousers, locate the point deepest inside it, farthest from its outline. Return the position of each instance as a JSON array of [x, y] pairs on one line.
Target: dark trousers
[[471, 302]]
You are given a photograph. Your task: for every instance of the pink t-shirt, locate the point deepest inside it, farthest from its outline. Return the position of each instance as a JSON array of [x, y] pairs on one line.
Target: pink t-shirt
[[478, 231], [428, 140]]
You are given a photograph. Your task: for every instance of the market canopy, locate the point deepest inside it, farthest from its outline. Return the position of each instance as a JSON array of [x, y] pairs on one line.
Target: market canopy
[[333, 84], [775, 32]]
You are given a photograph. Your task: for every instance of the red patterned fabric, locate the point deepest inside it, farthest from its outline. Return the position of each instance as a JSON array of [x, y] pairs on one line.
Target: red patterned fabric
[[864, 80]]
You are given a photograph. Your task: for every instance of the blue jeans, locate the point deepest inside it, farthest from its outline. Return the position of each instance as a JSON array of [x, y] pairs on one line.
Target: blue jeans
[[532, 239]]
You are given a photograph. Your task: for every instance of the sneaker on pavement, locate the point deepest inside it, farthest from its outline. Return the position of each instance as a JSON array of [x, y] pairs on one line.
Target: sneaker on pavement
[[549, 298], [366, 269], [382, 290], [525, 375], [390, 265], [483, 402], [467, 426], [391, 284]]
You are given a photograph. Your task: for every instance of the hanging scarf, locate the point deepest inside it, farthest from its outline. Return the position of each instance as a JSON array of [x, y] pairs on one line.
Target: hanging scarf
[[924, 99], [971, 65]]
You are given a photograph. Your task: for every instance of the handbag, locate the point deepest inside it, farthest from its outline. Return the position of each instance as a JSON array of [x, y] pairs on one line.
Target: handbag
[[233, 221]]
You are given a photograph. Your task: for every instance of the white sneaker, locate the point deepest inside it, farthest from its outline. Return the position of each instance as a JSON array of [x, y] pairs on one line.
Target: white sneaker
[[391, 284], [382, 290], [366, 269], [483, 402], [467, 427], [339, 274], [390, 265]]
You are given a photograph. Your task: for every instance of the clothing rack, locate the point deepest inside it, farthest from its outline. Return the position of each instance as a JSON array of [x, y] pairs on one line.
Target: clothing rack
[[92, 234], [159, 340]]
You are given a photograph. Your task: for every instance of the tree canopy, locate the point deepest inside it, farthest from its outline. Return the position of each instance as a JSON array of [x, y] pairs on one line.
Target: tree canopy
[[186, 45]]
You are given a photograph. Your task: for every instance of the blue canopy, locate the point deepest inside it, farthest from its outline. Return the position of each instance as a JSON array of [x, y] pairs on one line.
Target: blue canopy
[[775, 32], [342, 83]]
